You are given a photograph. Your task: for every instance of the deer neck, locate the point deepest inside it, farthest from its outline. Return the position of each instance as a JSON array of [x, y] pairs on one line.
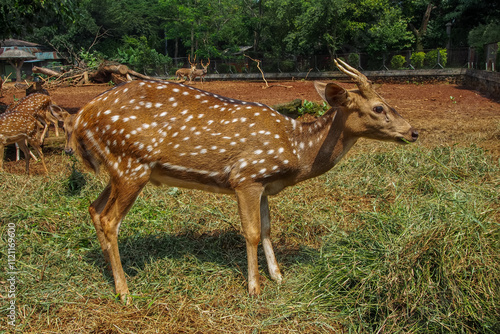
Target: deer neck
[[322, 143]]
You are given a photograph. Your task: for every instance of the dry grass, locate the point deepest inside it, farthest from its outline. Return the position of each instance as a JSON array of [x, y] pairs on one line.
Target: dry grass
[[394, 239]]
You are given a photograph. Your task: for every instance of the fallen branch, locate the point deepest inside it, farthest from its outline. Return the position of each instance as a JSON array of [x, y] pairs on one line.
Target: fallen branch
[[46, 71], [263, 77]]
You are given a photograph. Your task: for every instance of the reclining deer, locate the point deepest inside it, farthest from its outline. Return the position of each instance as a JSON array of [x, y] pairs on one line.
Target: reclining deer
[[168, 133]]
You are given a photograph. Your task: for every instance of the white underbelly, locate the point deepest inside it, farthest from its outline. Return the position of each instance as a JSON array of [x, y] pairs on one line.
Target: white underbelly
[[158, 178]]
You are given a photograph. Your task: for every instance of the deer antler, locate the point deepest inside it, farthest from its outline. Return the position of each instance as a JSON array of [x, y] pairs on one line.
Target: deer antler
[[194, 60], [359, 78]]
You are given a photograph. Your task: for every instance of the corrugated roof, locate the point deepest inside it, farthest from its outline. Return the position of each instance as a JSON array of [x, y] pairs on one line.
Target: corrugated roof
[[16, 54]]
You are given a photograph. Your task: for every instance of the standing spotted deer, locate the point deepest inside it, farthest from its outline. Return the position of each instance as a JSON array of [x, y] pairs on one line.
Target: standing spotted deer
[[39, 105], [168, 133], [200, 73], [20, 127], [186, 72]]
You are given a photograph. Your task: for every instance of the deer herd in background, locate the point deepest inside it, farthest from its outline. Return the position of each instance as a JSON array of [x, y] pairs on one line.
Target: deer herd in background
[[192, 72], [27, 120]]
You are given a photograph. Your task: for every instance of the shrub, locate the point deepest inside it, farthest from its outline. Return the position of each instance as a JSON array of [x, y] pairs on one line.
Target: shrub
[[315, 109], [431, 58], [398, 62], [287, 66], [226, 68], [417, 59], [137, 53], [353, 59]]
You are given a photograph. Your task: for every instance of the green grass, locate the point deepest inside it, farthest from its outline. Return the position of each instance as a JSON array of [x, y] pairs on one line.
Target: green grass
[[400, 240]]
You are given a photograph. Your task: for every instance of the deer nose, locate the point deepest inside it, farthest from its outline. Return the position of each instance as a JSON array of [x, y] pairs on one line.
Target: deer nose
[[68, 151], [414, 135]]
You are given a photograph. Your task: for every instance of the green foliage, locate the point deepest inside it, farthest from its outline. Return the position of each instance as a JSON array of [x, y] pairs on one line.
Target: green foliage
[[397, 62], [226, 68], [417, 59], [287, 66], [431, 58], [484, 34], [140, 56], [312, 108], [91, 58], [389, 32], [18, 17], [353, 59]]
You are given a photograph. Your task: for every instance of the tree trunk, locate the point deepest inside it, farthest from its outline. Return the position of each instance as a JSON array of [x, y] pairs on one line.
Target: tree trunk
[[46, 71], [117, 69], [17, 64], [420, 33]]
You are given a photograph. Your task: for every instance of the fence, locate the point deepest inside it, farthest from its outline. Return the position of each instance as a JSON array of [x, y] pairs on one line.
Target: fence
[[451, 58]]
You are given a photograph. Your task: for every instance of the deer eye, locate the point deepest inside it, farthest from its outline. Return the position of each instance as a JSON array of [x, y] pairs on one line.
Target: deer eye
[[378, 109]]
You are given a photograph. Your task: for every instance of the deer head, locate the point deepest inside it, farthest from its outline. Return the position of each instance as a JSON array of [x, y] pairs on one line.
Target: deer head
[[369, 114]]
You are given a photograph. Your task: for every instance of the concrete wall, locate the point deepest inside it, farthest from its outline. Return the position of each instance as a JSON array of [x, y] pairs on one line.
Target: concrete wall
[[483, 81], [400, 75]]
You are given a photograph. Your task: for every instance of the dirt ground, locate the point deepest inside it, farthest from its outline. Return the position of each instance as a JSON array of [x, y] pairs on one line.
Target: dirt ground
[[444, 114]]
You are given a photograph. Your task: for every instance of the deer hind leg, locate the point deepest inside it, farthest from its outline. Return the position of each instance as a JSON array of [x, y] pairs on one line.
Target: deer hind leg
[[23, 147], [249, 210], [113, 204], [265, 233], [34, 143], [18, 155]]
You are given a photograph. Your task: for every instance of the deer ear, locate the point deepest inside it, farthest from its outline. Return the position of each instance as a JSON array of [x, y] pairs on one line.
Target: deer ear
[[58, 112], [331, 93]]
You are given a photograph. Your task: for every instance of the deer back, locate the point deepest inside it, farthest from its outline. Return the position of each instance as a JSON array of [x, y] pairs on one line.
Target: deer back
[[184, 136], [16, 126]]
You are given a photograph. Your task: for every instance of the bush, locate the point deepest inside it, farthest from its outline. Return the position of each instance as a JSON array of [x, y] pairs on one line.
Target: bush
[[397, 62], [431, 58], [417, 59], [140, 56], [353, 59], [309, 107], [287, 66], [226, 68]]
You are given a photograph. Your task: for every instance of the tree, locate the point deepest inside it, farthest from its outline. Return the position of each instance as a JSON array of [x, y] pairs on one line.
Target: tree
[[390, 32], [19, 17]]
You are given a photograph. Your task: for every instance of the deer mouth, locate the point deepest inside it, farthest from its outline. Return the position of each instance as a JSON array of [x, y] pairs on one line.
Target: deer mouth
[[412, 139]]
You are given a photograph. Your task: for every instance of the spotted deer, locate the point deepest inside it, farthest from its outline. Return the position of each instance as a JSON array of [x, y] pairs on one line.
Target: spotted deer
[[200, 73], [20, 127], [173, 134], [186, 72], [39, 105]]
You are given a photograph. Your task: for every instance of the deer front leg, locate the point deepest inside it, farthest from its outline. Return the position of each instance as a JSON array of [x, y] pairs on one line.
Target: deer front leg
[[119, 201], [249, 210], [95, 210], [265, 233]]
